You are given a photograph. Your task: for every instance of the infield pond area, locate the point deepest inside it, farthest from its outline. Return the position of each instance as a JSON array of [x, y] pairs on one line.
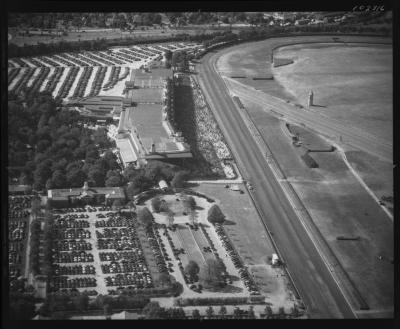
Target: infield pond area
[[352, 82]]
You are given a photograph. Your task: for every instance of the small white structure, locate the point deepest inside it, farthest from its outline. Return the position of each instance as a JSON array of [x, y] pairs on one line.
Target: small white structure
[[235, 187], [162, 184], [275, 259]]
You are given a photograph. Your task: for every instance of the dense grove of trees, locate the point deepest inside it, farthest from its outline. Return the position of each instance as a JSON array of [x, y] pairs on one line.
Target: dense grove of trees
[[142, 179], [58, 302], [50, 148], [21, 305]]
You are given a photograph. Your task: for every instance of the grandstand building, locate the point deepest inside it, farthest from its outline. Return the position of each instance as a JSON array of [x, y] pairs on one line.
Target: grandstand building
[[146, 126]]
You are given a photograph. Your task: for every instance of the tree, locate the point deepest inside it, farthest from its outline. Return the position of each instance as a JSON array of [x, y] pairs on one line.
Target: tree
[[215, 215], [96, 176], [81, 302], [76, 177], [295, 312], [179, 179], [268, 311], [189, 204], [192, 217], [211, 276], [107, 309], [36, 208], [237, 313], [192, 203], [139, 184], [222, 311], [155, 204], [170, 217], [192, 270], [117, 204], [164, 279], [196, 314], [168, 58], [114, 179], [22, 308], [251, 312], [58, 178], [153, 310], [144, 216], [210, 312]]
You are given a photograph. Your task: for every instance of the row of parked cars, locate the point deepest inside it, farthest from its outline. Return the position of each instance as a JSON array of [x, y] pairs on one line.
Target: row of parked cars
[[72, 245], [74, 270], [124, 266], [243, 272], [73, 233], [72, 257], [128, 279], [70, 223], [61, 282]]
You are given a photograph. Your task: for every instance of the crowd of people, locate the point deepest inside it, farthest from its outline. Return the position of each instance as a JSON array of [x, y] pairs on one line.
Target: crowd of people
[[208, 135]]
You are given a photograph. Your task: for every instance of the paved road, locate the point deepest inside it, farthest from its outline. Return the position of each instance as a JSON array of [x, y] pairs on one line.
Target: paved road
[[328, 126], [315, 284]]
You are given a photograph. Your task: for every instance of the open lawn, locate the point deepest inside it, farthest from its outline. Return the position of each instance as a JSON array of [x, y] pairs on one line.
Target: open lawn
[[377, 174], [350, 83], [309, 140]]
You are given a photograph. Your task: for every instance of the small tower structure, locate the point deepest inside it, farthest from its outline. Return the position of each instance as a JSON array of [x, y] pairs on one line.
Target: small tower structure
[[310, 99], [121, 121]]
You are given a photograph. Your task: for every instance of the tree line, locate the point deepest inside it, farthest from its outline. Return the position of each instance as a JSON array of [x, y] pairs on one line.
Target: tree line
[[50, 147]]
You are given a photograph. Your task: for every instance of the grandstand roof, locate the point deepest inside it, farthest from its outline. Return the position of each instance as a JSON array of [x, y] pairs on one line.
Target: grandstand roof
[[153, 78], [145, 95]]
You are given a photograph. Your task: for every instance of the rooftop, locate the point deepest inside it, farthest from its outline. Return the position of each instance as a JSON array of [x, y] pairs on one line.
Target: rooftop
[[147, 119], [67, 192], [145, 95]]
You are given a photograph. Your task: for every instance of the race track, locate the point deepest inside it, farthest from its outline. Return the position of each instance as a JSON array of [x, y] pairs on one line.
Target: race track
[[318, 289]]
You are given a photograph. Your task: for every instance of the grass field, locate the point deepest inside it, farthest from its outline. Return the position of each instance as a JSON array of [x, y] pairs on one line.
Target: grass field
[[377, 174], [351, 83], [339, 205], [354, 83]]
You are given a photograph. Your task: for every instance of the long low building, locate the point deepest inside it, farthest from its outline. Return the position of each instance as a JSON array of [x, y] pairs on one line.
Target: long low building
[[98, 107], [65, 198]]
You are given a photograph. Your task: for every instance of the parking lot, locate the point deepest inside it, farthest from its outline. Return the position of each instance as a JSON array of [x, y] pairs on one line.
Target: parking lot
[[98, 250]]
